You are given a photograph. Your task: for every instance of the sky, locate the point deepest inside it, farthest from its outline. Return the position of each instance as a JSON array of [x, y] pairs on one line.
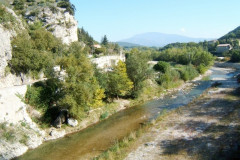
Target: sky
[[121, 19]]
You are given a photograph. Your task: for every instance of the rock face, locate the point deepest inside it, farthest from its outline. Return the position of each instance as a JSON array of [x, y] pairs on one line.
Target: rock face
[[60, 23], [6, 49]]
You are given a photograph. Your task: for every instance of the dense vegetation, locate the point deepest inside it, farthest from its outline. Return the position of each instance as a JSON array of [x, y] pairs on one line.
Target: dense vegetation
[[80, 86], [234, 34]]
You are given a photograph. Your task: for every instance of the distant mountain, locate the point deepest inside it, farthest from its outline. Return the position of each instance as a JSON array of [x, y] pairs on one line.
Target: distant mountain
[[128, 45], [234, 34], [160, 39]]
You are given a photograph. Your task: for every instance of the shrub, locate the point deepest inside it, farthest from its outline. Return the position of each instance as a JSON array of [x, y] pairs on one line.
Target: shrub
[[162, 66], [68, 6], [188, 72], [235, 56], [18, 4], [42, 95], [202, 68], [104, 115], [6, 18], [168, 77]]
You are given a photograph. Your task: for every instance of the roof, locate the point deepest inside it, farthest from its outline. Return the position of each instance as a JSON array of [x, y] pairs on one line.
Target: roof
[[223, 45]]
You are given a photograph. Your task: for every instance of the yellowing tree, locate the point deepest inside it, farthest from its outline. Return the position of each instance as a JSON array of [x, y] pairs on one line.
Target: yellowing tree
[[119, 83]]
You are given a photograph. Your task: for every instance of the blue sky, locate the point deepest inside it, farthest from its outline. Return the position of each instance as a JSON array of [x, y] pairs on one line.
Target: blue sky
[[120, 19]]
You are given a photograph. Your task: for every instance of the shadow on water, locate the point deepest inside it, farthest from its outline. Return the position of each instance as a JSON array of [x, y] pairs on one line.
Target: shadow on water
[[99, 137]]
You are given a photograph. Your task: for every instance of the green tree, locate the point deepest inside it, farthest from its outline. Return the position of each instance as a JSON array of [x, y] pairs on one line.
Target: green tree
[[235, 55], [81, 88], [119, 83], [83, 36], [26, 58], [104, 40], [137, 68]]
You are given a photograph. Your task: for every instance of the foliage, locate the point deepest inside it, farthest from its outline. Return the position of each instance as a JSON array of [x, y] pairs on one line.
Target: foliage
[[235, 55], [81, 88], [18, 4], [100, 50], [187, 55], [43, 95], [119, 84], [168, 77], [104, 115], [45, 41], [188, 72], [83, 36], [137, 68], [162, 66], [233, 34], [6, 18], [67, 5], [104, 41], [26, 58]]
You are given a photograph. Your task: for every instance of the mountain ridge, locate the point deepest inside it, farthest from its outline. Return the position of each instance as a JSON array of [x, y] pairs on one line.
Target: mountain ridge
[[160, 39]]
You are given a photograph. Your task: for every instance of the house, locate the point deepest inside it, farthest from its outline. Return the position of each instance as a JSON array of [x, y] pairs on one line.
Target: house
[[212, 42], [97, 46], [223, 48]]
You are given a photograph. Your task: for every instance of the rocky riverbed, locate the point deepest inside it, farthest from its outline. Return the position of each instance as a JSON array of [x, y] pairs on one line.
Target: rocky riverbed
[[205, 129]]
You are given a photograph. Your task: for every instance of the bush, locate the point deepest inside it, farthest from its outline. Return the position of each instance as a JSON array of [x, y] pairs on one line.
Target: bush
[[104, 115], [235, 56], [188, 72], [202, 69], [162, 66], [6, 18], [18, 4], [168, 77], [43, 95], [68, 6]]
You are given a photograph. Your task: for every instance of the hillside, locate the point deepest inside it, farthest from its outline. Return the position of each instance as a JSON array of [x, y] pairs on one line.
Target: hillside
[[234, 34], [127, 45], [160, 39]]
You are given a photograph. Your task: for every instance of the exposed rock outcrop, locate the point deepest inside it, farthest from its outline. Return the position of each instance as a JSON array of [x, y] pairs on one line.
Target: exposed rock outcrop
[[60, 23], [6, 48]]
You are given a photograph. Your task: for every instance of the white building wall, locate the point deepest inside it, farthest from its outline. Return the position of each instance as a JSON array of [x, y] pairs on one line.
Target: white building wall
[[107, 62]]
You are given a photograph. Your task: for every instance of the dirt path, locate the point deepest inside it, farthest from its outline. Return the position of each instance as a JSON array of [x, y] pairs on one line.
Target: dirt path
[[208, 128]]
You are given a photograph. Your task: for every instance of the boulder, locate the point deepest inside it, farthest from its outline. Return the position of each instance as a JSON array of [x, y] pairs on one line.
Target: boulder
[[72, 122]]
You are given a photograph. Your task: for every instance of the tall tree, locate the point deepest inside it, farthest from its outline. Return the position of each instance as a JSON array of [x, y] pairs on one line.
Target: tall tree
[[81, 88], [137, 68], [104, 40], [119, 83]]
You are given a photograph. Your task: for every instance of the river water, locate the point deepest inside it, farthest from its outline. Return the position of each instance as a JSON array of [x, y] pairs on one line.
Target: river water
[[93, 140]]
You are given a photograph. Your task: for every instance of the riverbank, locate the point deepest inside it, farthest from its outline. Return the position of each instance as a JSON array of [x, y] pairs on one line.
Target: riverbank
[[207, 128], [93, 118]]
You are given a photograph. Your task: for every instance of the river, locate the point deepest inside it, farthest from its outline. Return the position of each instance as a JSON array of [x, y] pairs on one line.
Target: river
[[93, 140]]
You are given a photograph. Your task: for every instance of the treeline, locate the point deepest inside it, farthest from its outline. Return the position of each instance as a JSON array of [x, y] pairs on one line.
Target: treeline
[[181, 63], [196, 56]]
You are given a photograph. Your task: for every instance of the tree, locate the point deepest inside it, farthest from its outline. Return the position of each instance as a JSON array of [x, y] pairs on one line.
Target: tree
[[137, 68], [26, 58], [235, 55], [81, 88], [119, 83], [104, 40], [83, 36]]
